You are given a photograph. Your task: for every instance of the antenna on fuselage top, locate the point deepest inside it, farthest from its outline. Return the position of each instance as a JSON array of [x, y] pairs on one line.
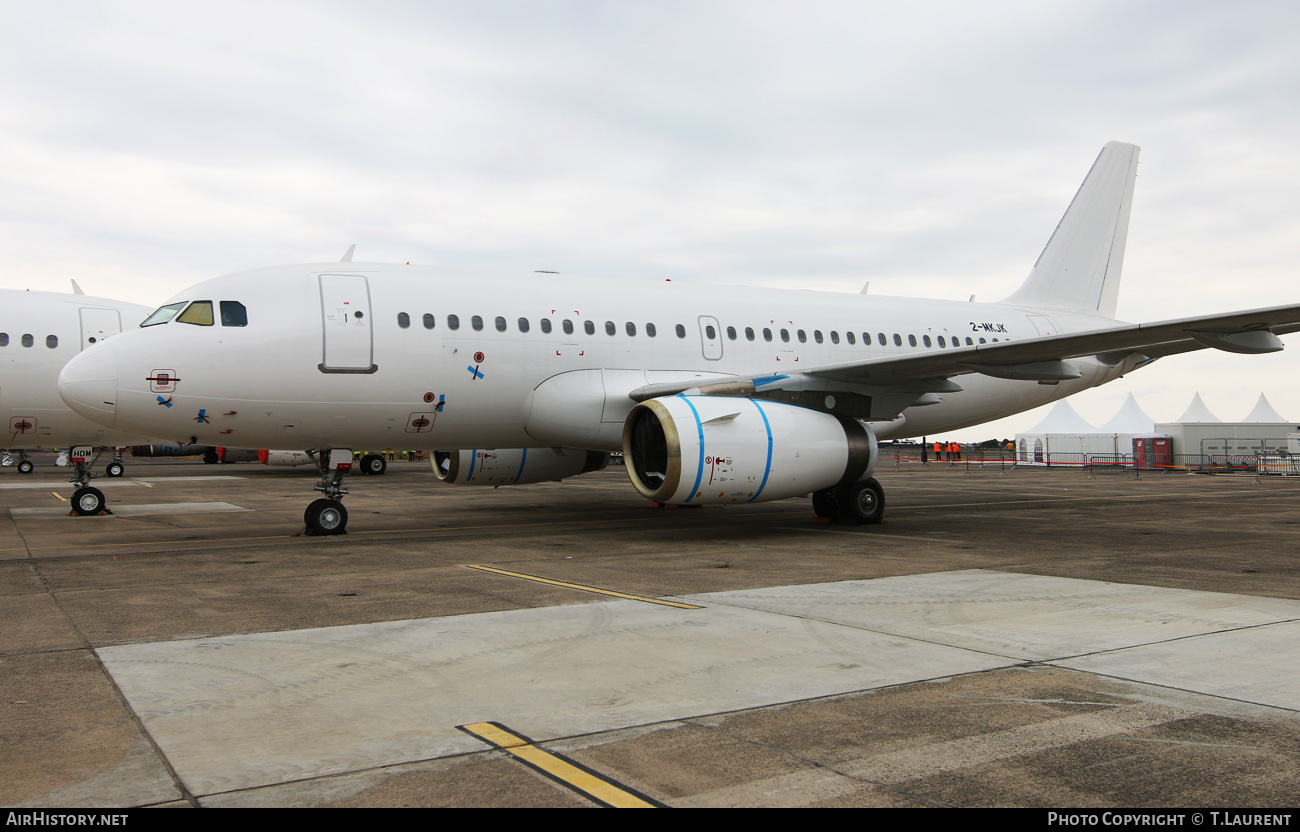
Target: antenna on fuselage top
[[865, 287], [76, 290], [347, 255]]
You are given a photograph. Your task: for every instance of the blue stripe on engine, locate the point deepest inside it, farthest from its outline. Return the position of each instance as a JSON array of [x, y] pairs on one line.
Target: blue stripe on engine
[[699, 431], [473, 456], [767, 469], [523, 459]]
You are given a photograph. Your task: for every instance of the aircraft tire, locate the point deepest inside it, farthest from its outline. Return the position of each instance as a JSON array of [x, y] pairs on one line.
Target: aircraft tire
[[861, 502], [87, 501], [115, 469], [26, 467], [824, 503], [211, 458], [373, 464], [326, 517]]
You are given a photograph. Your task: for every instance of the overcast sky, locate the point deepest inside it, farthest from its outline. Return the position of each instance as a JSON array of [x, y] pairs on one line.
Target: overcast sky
[[929, 148]]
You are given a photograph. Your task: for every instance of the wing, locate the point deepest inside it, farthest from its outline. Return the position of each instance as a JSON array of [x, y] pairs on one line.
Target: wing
[[918, 374]]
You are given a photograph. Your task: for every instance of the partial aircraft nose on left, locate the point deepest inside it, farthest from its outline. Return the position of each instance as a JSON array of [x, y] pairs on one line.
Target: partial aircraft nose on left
[[88, 384]]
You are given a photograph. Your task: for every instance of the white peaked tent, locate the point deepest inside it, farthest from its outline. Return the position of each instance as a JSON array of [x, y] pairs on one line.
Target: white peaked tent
[[1264, 412], [1131, 419], [1062, 436], [1065, 437], [1199, 434], [1197, 413]]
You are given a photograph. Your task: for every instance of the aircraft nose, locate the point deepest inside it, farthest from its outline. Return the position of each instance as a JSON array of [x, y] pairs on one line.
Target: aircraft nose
[[88, 384]]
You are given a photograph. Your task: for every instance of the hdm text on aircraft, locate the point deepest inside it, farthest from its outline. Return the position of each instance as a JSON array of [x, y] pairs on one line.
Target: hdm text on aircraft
[[715, 395]]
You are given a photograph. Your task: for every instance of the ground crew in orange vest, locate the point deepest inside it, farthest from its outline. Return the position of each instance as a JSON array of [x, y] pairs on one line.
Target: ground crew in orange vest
[[938, 450]]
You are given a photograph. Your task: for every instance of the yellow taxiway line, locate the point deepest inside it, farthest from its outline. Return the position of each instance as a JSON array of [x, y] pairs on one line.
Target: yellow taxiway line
[[585, 588], [566, 772]]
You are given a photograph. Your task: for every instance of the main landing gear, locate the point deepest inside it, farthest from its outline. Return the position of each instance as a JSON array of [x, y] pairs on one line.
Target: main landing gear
[[857, 503], [86, 501], [373, 464], [25, 465], [327, 516]]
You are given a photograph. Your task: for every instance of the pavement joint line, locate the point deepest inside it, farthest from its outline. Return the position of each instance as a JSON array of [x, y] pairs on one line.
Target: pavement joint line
[[585, 588], [145, 484], [568, 773], [351, 533]]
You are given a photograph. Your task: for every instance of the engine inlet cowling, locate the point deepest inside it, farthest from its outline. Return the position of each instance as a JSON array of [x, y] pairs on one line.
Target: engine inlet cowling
[[713, 450]]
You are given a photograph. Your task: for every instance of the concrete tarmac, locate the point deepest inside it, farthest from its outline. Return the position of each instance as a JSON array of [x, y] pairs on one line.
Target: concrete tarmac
[[1006, 638]]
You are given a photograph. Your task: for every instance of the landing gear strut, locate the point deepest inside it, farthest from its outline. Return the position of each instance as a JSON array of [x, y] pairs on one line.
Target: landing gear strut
[[86, 501], [857, 503], [327, 516], [115, 467]]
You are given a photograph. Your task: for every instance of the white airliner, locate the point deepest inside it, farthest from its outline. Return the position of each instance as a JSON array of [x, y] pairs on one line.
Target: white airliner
[[39, 332], [715, 394]]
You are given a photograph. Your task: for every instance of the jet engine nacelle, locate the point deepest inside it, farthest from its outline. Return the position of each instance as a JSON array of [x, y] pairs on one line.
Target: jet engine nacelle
[[514, 466], [712, 450]]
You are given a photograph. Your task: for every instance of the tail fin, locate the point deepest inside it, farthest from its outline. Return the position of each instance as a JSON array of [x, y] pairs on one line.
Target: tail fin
[[1079, 269]]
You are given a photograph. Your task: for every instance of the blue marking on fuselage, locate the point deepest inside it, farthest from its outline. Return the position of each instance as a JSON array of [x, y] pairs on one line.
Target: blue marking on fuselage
[[767, 469], [523, 459], [699, 431]]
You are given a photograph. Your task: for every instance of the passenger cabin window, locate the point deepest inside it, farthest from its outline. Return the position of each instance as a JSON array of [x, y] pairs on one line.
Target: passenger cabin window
[[453, 322], [476, 322], [835, 337], [163, 314], [749, 333], [4, 339], [568, 327], [785, 335], [546, 325], [28, 340], [926, 339], [500, 323], [403, 320], [731, 333], [710, 332], [650, 330], [767, 334], [198, 313], [428, 321], [589, 327], [911, 339], [898, 340], [631, 328], [523, 324], [233, 313], [803, 337], [610, 329], [848, 335], [51, 341], [681, 331]]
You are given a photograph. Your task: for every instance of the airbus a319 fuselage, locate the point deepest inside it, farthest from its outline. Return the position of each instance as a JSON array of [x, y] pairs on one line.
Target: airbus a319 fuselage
[[715, 394]]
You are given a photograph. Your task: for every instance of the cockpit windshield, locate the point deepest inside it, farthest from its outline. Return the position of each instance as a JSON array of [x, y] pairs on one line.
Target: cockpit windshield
[[163, 314], [198, 313]]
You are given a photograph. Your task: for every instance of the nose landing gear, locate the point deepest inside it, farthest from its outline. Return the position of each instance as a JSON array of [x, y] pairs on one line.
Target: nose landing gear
[[86, 501], [327, 516]]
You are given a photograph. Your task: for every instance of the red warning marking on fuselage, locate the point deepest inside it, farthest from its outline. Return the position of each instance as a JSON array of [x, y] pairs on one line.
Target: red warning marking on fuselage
[[20, 425], [162, 381]]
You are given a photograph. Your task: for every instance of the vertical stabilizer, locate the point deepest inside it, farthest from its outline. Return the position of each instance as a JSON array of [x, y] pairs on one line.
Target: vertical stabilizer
[[1079, 270]]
